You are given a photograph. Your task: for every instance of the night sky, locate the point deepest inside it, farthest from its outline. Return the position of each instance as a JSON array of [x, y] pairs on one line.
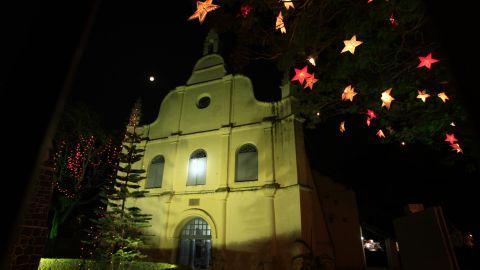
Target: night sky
[[131, 41]]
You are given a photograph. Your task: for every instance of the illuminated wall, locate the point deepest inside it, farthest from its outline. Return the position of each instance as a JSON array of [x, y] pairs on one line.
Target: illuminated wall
[[255, 222]]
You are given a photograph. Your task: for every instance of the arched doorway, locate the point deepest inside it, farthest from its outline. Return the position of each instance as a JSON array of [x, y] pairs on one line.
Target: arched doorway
[[195, 244]]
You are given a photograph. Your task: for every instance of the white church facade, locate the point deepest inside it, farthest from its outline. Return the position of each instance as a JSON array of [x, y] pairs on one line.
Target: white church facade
[[228, 178]]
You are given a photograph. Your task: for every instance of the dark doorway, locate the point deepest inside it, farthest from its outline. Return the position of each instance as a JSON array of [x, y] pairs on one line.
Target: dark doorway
[[195, 245]]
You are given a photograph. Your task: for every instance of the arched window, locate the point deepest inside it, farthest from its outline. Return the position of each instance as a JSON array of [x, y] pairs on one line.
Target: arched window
[[197, 168], [155, 172], [246, 163]]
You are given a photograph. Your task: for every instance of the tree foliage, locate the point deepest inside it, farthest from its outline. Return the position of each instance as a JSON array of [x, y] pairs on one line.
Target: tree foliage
[[394, 34], [119, 226]]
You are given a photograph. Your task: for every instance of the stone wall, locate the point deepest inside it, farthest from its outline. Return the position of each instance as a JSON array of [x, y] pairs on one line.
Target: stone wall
[[32, 232]]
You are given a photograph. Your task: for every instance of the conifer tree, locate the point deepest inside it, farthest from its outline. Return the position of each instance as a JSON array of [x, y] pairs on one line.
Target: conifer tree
[[119, 228]]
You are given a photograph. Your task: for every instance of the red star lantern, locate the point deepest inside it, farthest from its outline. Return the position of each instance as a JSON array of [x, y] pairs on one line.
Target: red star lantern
[[245, 10], [392, 20], [427, 61], [301, 75], [202, 9], [451, 138], [370, 116]]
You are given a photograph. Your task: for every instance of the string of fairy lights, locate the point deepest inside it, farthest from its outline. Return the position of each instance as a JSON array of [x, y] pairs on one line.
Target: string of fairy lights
[[307, 79]]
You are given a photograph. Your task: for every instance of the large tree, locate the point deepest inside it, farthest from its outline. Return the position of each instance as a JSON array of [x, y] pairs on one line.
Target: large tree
[[395, 34]]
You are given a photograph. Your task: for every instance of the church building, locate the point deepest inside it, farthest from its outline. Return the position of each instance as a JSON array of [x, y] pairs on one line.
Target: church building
[[229, 181]]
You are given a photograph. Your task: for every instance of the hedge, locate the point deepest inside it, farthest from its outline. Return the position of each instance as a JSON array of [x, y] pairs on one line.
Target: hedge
[[72, 264]]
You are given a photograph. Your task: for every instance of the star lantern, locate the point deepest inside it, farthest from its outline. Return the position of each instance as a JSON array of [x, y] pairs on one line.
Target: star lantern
[[427, 61], [370, 116], [351, 44], [456, 147], [348, 93], [452, 124], [369, 1], [392, 20], [245, 10], [301, 75], [309, 81], [288, 4], [342, 127], [450, 138], [279, 25], [387, 98], [443, 97], [311, 60], [380, 134], [202, 9], [422, 94]]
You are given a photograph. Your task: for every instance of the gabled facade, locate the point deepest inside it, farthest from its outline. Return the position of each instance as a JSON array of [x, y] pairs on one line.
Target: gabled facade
[[229, 180]]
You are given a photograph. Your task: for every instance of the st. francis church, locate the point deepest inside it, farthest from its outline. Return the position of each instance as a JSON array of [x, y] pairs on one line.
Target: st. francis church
[[229, 181]]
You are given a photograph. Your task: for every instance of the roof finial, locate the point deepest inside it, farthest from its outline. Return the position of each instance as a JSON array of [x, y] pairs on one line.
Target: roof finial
[[211, 43]]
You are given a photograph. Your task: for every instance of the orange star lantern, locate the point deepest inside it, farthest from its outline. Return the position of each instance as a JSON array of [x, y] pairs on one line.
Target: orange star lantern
[[202, 9], [310, 81], [348, 93], [451, 138], [443, 97], [422, 94], [427, 61], [380, 134], [279, 25], [342, 127], [288, 4], [387, 98], [351, 44], [456, 147], [301, 75]]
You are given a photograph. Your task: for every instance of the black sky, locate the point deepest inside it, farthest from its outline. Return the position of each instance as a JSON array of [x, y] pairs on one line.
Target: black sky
[[133, 40]]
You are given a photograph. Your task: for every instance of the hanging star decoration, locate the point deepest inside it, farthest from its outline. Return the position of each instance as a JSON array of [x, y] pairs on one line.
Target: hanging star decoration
[[301, 75], [342, 127], [288, 4], [427, 61], [351, 44], [387, 98], [392, 20], [443, 97], [450, 138], [380, 134], [370, 116], [309, 81], [311, 60], [279, 25], [202, 9], [422, 94], [348, 93], [245, 10], [456, 147], [452, 124], [369, 1]]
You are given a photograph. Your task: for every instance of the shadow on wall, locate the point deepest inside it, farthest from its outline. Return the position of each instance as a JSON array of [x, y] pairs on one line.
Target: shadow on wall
[[258, 254]]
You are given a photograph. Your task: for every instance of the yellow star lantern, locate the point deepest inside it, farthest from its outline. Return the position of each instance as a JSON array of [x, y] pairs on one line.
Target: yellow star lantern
[[279, 25], [387, 98], [380, 134], [422, 94], [288, 4], [443, 97], [342, 127], [348, 93], [351, 44], [202, 9]]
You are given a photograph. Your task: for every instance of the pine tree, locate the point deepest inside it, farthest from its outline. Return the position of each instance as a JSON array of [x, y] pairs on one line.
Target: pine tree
[[120, 226]]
